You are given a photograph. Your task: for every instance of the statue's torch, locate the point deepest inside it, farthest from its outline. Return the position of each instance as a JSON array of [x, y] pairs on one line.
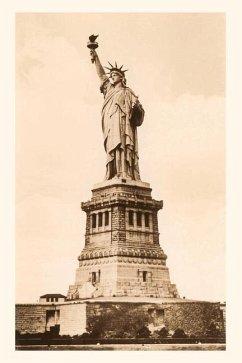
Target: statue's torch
[[92, 44]]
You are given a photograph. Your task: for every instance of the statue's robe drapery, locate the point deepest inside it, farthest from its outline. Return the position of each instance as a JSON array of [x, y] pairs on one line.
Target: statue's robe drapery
[[120, 134]]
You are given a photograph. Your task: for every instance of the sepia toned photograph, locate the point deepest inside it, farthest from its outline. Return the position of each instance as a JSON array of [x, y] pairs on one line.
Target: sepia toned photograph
[[120, 181]]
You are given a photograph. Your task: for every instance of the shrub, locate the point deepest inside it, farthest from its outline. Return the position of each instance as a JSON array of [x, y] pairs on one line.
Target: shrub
[[85, 335], [96, 333], [143, 332], [109, 334], [163, 332], [120, 333], [213, 331], [179, 333], [193, 336]]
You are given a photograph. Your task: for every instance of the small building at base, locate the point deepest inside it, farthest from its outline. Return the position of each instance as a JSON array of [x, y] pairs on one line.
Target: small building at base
[[50, 298]]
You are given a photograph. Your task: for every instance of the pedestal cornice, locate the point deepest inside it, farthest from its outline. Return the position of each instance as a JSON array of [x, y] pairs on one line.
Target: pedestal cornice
[[122, 192]]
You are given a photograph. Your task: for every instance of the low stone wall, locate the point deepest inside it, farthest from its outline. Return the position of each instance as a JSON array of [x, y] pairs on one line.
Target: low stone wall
[[31, 318], [72, 319], [192, 317], [76, 317]]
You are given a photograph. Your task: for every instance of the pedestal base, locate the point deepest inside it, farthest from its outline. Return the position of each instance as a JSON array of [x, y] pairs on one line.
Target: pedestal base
[[122, 255]]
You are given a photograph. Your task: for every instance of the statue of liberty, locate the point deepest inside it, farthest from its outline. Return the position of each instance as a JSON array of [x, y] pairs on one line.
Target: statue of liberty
[[121, 114]]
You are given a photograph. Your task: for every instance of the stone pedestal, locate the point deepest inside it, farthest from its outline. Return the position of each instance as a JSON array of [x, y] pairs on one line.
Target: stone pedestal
[[122, 255]]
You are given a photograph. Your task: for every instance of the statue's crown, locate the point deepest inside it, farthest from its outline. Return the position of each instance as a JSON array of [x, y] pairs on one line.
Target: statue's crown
[[116, 69]]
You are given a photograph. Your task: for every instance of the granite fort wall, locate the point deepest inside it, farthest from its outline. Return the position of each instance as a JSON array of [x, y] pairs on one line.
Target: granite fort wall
[[194, 317], [31, 318], [72, 319]]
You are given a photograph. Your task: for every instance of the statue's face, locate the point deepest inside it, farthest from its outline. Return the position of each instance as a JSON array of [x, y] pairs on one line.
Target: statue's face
[[116, 77]]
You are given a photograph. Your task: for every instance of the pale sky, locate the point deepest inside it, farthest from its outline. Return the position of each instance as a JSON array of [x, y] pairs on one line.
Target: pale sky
[[176, 65]]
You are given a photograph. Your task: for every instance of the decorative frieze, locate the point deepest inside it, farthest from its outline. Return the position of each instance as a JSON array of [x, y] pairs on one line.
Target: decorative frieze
[[122, 259]]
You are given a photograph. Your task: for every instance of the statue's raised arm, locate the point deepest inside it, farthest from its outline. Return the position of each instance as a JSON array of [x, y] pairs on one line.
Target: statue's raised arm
[[96, 60], [92, 45], [121, 114]]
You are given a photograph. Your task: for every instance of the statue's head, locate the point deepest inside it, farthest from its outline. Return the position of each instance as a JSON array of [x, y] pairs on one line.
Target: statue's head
[[117, 77], [117, 74]]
